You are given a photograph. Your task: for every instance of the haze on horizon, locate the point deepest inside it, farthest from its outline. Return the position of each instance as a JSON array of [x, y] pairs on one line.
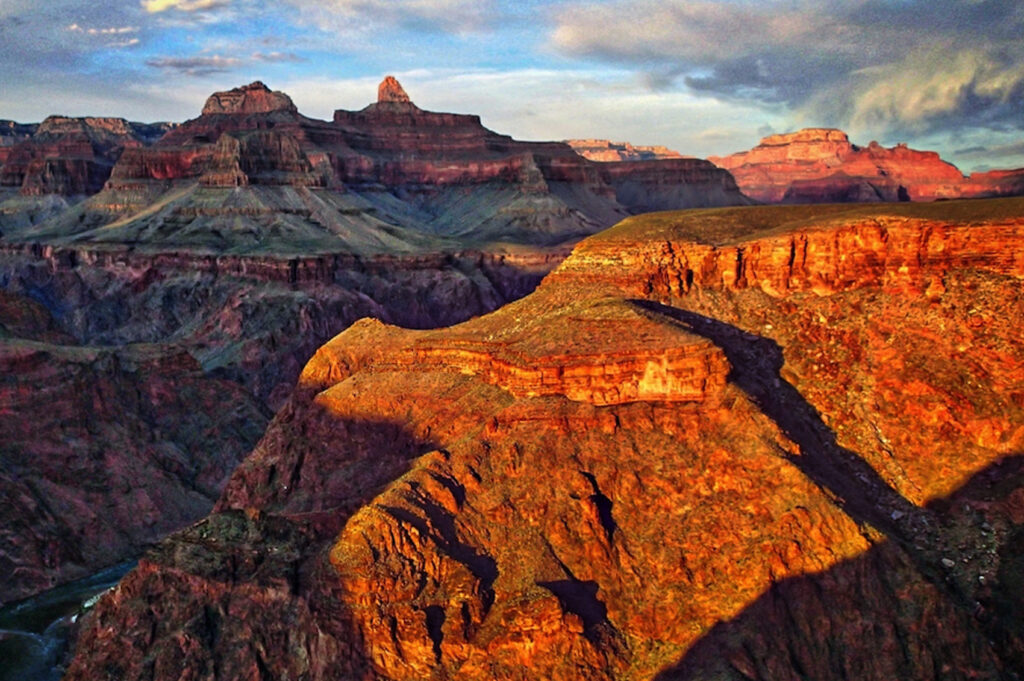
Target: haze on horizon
[[704, 77]]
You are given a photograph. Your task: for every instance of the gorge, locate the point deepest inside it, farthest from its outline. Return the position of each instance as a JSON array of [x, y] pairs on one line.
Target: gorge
[[394, 396]]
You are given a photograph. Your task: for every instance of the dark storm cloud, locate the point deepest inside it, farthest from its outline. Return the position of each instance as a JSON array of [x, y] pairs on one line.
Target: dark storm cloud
[[883, 65]]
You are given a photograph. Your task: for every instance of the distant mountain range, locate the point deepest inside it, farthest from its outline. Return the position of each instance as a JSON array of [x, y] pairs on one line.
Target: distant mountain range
[[253, 175]]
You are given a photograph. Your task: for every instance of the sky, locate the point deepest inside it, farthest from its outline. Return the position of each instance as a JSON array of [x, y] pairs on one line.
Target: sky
[[704, 77]]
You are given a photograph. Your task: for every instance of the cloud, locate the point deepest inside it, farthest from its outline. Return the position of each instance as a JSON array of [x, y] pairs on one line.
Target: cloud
[[448, 16], [885, 66], [114, 30], [552, 104], [156, 6], [937, 88], [277, 57], [195, 66]]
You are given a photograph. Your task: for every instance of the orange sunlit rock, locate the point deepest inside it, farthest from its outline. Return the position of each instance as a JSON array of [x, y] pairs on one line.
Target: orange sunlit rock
[[738, 443]]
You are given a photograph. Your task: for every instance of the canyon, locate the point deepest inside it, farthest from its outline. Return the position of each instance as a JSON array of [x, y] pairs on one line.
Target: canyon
[[162, 286], [740, 443], [395, 396], [821, 165]]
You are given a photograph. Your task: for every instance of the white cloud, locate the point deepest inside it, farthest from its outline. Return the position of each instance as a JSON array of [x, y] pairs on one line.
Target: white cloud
[[113, 30], [156, 6]]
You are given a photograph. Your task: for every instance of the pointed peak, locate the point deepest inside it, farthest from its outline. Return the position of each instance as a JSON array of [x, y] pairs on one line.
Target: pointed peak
[[391, 91]]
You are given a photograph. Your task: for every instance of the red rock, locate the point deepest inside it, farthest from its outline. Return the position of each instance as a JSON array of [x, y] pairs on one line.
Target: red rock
[[253, 98], [819, 165], [399, 176], [71, 156], [390, 90], [11, 133], [757, 441], [996, 183], [113, 432]]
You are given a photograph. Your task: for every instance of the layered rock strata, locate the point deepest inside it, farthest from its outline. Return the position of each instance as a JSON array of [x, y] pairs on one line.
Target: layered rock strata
[[746, 443], [262, 177], [70, 156]]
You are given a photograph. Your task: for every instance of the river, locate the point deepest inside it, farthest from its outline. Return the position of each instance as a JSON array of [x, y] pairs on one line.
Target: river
[[34, 632]]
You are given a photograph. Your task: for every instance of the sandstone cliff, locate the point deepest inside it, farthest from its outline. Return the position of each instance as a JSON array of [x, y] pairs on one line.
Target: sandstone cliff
[[821, 165], [758, 443]]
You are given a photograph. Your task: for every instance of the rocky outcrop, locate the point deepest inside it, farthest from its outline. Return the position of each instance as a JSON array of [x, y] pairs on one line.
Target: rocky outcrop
[[751, 443], [105, 450], [391, 91], [821, 165], [12, 133], [647, 186], [996, 183], [606, 151], [253, 98]]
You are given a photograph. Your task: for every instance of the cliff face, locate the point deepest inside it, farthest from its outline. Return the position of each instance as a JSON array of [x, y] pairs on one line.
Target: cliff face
[[747, 443], [819, 165], [389, 178]]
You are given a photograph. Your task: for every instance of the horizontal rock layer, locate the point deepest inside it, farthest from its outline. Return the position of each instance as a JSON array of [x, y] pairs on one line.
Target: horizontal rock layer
[[606, 150]]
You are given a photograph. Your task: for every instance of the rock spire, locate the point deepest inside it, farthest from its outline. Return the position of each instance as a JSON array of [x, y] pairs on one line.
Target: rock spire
[[390, 91]]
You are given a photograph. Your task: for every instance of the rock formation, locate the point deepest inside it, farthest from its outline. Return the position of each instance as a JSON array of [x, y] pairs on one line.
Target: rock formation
[[994, 183], [753, 443], [389, 178], [821, 165], [69, 156], [391, 91], [11, 133], [606, 150], [253, 98]]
